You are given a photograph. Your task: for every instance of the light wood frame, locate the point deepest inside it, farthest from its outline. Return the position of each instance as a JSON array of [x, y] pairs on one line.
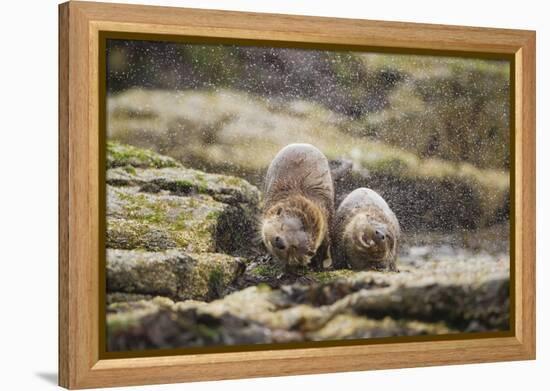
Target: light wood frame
[[79, 163]]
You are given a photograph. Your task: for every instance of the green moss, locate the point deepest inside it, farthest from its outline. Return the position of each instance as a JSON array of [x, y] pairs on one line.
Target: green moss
[[184, 185], [197, 231], [213, 215], [393, 165], [329, 276], [267, 270], [216, 282], [232, 181], [129, 234], [347, 67], [139, 207], [183, 220], [262, 287], [121, 155], [202, 187], [130, 170]]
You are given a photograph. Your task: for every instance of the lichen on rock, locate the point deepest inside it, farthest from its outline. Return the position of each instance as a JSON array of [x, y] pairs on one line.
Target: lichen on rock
[[184, 182], [171, 273], [162, 213], [162, 221]]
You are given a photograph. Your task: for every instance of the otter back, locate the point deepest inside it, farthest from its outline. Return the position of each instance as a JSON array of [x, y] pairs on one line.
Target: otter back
[[299, 178], [300, 168]]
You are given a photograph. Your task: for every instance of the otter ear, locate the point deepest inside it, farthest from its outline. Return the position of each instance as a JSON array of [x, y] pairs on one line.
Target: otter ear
[[279, 211]]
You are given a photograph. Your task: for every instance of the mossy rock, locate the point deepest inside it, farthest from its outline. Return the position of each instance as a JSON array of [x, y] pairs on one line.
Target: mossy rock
[[458, 109], [183, 182], [125, 299], [171, 273], [128, 235], [429, 194], [162, 220], [434, 298], [120, 155], [347, 326], [450, 103], [266, 270]]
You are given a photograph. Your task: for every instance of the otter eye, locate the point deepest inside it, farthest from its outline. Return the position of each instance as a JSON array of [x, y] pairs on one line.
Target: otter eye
[[279, 211]]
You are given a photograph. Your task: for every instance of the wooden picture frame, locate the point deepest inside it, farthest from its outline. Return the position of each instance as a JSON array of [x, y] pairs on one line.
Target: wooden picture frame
[[80, 26]]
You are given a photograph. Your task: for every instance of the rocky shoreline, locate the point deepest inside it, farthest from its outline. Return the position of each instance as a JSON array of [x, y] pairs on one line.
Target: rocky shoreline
[[185, 268]]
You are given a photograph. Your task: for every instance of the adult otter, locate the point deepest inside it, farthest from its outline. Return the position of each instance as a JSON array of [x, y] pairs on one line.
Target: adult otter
[[298, 206], [365, 232]]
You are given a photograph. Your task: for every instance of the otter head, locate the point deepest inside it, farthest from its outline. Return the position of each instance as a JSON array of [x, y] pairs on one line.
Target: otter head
[[285, 236], [369, 240]]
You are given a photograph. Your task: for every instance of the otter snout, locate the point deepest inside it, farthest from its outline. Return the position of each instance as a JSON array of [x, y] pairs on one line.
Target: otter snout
[[278, 243], [373, 236], [379, 236], [286, 239]]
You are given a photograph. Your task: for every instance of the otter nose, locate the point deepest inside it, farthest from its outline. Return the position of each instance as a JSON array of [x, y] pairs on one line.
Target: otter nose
[[379, 235], [279, 243]]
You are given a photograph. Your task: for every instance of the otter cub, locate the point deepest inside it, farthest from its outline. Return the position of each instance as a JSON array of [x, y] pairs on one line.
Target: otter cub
[[298, 206], [365, 233]]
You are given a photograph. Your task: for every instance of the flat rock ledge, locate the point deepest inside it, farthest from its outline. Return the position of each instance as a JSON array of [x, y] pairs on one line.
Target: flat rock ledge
[[438, 298], [171, 273]]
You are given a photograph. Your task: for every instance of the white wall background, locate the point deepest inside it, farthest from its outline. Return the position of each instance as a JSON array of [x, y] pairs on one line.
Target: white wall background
[[28, 193]]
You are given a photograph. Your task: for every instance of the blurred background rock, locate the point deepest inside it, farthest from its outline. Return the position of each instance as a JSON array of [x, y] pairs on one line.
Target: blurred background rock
[[431, 134]]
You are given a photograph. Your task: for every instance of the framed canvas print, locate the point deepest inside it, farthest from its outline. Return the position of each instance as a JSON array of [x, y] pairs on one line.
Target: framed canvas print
[[247, 195]]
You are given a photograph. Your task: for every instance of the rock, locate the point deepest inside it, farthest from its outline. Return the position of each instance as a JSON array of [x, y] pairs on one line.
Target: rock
[[171, 273], [241, 133], [476, 305], [172, 231], [120, 155], [128, 234], [183, 182], [436, 298], [354, 327], [264, 269], [162, 221], [458, 108], [184, 269], [125, 298], [175, 207], [428, 195], [161, 324]]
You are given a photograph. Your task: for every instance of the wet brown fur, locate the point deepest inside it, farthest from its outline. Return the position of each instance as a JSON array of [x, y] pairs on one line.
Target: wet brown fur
[[343, 249], [311, 204]]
